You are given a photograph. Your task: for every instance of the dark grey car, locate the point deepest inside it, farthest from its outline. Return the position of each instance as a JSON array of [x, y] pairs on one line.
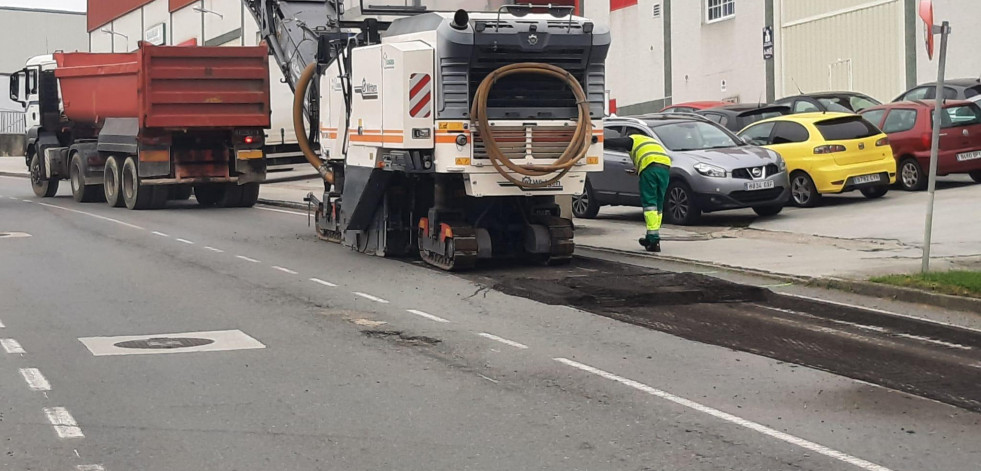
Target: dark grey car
[[712, 170]]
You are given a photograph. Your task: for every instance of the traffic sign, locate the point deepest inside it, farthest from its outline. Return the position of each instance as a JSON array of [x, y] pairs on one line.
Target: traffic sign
[[926, 13], [767, 43]]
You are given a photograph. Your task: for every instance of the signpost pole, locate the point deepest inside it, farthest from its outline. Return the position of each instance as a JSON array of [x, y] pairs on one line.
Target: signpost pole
[[944, 31]]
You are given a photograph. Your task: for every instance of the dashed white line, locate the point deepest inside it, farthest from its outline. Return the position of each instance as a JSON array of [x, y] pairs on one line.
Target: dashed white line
[[1, 325], [284, 270], [161, 234], [89, 467], [247, 259], [786, 437], [35, 380], [117, 221], [214, 249], [27, 201], [185, 241], [325, 283], [63, 422], [881, 311], [502, 340], [427, 315], [373, 298], [281, 211], [11, 346]]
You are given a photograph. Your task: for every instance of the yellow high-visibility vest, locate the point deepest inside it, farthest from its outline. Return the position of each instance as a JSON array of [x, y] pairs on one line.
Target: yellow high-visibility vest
[[647, 151]]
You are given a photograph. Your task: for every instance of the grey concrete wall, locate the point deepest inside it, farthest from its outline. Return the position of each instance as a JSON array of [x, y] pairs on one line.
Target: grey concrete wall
[[27, 33]]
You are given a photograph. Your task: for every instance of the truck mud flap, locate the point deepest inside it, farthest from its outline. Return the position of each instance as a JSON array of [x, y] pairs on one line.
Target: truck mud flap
[[367, 187]]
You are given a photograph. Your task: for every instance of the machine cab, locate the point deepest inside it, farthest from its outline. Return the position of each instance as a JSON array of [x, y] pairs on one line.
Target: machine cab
[[28, 85]]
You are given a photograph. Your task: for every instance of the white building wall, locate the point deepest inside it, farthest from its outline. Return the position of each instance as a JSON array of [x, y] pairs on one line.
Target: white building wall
[[157, 13], [704, 55], [963, 56], [225, 29], [130, 25], [186, 24]]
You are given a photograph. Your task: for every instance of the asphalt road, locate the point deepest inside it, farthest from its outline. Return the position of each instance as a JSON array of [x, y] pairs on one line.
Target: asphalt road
[[315, 357]]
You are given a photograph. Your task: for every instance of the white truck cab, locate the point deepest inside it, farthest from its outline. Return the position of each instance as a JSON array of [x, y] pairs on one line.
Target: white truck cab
[[25, 84]]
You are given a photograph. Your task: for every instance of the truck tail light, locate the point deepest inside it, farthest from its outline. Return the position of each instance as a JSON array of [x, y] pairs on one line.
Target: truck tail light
[[248, 139], [829, 149], [882, 142]]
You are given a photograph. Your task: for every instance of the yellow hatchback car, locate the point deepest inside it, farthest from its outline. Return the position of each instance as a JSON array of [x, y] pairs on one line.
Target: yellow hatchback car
[[827, 153]]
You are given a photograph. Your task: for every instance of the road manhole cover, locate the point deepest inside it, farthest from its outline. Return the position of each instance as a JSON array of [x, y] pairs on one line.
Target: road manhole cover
[[157, 343]]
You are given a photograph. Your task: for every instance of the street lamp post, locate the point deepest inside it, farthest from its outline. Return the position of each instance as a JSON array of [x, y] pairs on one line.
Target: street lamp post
[[113, 33]]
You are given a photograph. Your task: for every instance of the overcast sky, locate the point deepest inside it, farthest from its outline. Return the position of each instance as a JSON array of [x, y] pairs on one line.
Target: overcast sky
[[75, 5]]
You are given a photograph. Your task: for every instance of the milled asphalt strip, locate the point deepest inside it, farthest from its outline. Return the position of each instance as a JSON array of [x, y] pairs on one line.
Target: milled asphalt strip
[[63, 422], [880, 311], [786, 437], [117, 221], [502, 340], [35, 380], [373, 298], [11, 346], [427, 315]]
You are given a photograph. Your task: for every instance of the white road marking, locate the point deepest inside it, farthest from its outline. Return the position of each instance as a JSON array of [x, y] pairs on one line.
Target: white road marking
[[89, 467], [27, 201], [284, 270], [786, 437], [373, 298], [938, 342], [11, 346], [161, 234], [502, 340], [117, 221], [185, 241], [280, 211], [35, 380], [1, 325], [325, 283], [214, 249], [881, 311], [220, 340], [63, 422], [427, 315], [247, 259]]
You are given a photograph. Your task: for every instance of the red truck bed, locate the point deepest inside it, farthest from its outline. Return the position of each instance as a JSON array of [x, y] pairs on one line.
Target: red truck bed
[[168, 86]]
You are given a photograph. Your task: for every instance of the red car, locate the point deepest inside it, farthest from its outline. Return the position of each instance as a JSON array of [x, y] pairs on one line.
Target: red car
[[692, 106], [908, 125]]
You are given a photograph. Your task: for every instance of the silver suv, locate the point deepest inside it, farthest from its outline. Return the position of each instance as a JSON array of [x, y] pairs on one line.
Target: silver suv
[[711, 170]]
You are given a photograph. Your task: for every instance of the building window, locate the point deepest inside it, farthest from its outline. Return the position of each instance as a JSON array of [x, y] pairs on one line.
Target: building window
[[718, 10]]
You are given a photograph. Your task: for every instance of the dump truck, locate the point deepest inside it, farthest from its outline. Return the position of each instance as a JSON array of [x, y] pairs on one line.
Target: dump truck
[[446, 134], [138, 129]]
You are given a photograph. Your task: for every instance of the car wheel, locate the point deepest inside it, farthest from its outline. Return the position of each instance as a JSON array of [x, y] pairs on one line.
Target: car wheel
[[679, 205], [766, 211], [584, 205], [42, 187], [911, 176], [803, 193], [976, 176], [874, 192]]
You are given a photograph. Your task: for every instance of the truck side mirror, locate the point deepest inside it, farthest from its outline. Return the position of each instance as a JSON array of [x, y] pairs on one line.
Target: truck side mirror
[[15, 87]]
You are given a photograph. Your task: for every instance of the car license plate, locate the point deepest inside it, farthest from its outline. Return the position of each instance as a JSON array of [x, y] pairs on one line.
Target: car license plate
[[866, 179], [969, 156], [762, 185]]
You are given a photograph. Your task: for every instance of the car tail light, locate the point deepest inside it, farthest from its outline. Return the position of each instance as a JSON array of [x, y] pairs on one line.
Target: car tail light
[[882, 142], [926, 140], [829, 149]]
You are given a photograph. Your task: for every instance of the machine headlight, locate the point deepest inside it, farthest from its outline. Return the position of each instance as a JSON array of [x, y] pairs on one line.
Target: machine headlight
[[710, 170]]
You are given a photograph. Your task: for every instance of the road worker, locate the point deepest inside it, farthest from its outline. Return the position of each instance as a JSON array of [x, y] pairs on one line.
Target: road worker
[[653, 166]]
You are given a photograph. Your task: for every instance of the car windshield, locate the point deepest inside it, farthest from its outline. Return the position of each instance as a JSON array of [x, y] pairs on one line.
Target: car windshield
[[846, 128], [836, 104], [693, 135]]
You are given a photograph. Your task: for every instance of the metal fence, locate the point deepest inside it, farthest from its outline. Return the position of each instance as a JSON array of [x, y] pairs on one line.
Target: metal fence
[[12, 122]]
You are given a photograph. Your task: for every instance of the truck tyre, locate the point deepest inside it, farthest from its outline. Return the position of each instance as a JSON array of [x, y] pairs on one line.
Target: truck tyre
[[81, 192], [42, 187], [250, 195], [180, 192], [208, 194], [135, 194], [113, 181]]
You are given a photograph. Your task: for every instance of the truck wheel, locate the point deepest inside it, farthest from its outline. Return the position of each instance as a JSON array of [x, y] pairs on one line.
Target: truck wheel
[[81, 192], [208, 194], [112, 187], [42, 187], [180, 192], [250, 195], [135, 194]]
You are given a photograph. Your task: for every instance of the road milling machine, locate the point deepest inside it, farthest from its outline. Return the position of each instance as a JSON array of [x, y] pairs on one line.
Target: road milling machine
[[447, 133]]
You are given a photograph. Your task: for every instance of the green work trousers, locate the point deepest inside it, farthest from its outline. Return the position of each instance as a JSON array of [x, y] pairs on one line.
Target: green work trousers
[[653, 188]]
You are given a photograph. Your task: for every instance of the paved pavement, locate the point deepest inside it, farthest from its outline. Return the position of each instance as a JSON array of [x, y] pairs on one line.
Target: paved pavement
[[322, 358]]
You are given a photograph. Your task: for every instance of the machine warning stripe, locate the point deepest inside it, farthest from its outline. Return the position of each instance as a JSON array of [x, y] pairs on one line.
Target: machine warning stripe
[[420, 95]]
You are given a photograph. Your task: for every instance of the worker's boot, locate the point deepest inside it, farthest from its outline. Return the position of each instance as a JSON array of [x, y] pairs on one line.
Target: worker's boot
[[651, 243], [644, 242], [654, 247]]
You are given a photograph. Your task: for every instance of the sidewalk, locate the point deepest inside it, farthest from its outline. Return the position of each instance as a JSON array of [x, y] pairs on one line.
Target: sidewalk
[[849, 237]]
